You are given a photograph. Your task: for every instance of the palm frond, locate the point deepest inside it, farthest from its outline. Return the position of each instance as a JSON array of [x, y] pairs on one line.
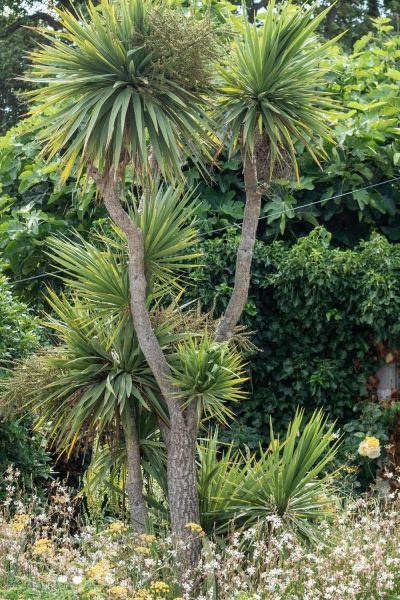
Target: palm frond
[[290, 480], [272, 94], [102, 375], [210, 374], [98, 270], [112, 93]]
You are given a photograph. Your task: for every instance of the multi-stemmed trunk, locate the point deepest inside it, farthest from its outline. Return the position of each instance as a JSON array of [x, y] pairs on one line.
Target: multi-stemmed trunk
[[181, 436]]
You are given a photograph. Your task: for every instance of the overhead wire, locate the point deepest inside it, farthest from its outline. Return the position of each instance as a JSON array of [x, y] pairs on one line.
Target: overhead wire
[[238, 225]]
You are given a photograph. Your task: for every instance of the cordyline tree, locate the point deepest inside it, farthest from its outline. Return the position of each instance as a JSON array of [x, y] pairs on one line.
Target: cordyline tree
[[132, 86]]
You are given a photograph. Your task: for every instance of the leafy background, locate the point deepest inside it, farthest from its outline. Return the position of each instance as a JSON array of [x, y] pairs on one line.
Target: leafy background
[[320, 300]]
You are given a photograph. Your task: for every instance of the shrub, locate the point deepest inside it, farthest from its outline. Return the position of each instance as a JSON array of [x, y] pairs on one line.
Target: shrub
[[34, 206], [284, 480], [19, 335], [318, 313], [358, 557]]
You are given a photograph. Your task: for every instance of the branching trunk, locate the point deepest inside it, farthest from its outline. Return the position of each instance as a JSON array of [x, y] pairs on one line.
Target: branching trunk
[[134, 484], [244, 257], [181, 438]]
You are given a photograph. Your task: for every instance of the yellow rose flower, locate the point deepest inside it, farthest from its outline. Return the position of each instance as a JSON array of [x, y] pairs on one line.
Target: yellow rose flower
[[370, 447]]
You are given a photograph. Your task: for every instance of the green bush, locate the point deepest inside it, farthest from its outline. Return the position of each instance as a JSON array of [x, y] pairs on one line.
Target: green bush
[[33, 207], [284, 480], [19, 335], [317, 312], [18, 329]]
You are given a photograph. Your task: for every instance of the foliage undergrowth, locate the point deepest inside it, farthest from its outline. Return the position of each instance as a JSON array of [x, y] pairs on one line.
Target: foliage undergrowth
[[46, 553]]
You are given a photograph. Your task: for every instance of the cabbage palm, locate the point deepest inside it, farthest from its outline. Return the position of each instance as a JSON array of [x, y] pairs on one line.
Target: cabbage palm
[[128, 82], [209, 374], [98, 271], [112, 87], [271, 100], [103, 385]]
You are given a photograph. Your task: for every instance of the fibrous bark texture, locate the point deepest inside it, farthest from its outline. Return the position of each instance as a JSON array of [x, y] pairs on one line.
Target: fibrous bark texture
[[181, 437], [134, 483]]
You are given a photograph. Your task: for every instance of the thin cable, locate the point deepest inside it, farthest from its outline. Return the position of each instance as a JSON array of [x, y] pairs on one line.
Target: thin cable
[[367, 187], [36, 277]]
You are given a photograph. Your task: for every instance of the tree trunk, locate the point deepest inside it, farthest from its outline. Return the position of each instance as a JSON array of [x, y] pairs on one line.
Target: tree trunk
[[181, 439], [134, 480], [183, 494], [244, 257]]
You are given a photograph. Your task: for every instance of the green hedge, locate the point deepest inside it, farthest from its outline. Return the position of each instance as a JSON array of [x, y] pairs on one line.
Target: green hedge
[[317, 312], [19, 335]]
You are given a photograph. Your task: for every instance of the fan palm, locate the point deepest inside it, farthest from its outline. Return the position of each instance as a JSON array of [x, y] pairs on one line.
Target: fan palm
[[119, 80]]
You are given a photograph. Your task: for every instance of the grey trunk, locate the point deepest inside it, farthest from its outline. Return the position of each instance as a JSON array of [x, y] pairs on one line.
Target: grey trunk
[[134, 479], [244, 256], [183, 494], [180, 439]]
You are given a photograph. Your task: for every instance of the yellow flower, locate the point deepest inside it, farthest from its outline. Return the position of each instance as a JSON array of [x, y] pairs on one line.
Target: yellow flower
[[42, 547], [142, 550], [147, 538], [143, 594], [350, 469], [195, 527], [19, 522], [115, 528], [99, 571], [370, 447], [159, 586], [117, 591]]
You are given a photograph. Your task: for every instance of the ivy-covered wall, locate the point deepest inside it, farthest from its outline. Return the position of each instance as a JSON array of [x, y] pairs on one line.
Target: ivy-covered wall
[[318, 313]]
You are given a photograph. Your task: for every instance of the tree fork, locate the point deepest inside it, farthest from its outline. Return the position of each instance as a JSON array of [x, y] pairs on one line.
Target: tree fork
[[182, 436]]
